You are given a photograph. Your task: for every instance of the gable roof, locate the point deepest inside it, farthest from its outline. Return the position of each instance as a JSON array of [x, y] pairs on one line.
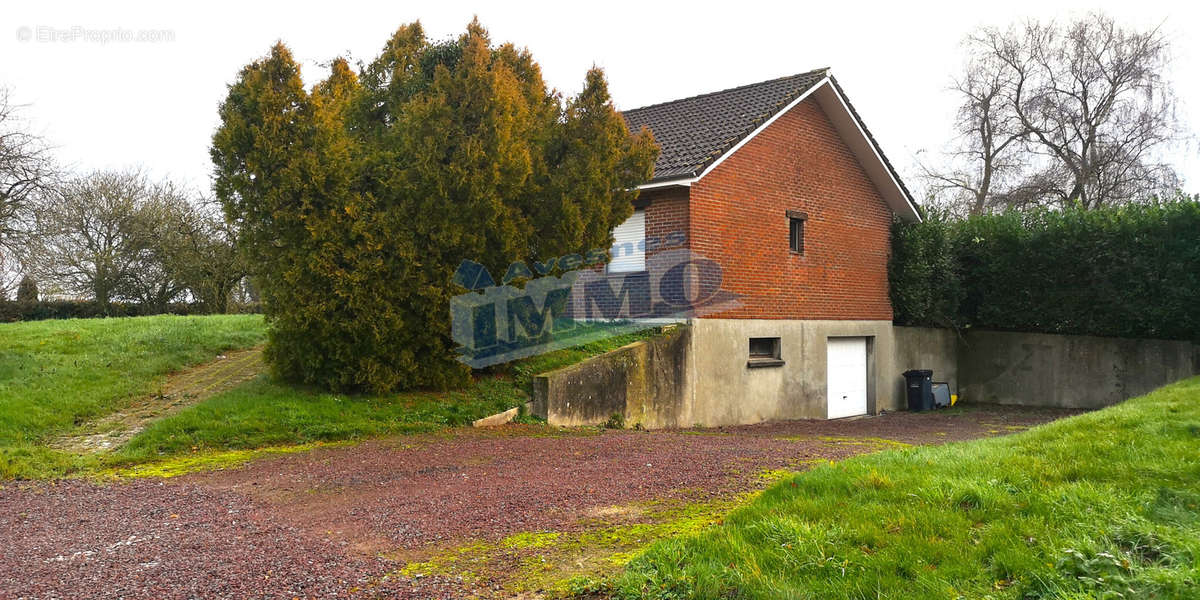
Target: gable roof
[[695, 134]]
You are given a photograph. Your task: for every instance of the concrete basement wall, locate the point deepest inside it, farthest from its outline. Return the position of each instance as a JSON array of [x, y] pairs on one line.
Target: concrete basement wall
[[726, 392], [1071, 371]]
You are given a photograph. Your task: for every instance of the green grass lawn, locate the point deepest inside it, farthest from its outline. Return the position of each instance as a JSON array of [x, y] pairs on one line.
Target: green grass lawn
[[57, 374], [1102, 505], [265, 413]]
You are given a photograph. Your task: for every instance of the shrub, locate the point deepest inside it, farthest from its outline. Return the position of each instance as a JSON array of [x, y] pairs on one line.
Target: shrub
[[926, 283], [27, 290], [88, 309], [1129, 271], [357, 201]]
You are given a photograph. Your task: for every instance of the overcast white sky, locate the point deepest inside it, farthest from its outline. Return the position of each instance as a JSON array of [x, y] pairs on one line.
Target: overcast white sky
[[154, 103]]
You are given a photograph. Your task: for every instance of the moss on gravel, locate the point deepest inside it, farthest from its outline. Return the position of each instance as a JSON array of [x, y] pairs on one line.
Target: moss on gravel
[[207, 461], [559, 563], [863, 441]]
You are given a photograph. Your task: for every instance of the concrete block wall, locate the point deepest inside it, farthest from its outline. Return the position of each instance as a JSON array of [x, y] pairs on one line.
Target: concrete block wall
[[1038, 369]]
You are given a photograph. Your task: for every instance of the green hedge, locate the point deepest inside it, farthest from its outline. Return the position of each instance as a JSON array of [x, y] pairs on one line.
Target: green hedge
[[86, 309], [1131, 271]]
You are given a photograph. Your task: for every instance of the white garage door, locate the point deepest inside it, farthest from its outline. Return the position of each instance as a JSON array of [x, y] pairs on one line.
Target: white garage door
[[847, 377]]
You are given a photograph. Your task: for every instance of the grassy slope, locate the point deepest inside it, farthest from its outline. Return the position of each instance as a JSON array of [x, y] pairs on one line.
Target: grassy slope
[[55, 374], [1103, 505], [266, 413]]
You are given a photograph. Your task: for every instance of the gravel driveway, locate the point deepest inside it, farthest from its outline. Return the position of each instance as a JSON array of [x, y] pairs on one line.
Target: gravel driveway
[[342, 522]]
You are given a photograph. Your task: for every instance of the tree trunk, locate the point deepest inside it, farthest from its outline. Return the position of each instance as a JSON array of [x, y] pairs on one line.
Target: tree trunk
[[102, 299]]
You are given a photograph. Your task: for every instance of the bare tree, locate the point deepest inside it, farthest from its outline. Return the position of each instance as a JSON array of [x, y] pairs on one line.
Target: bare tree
[[194, 254], [116, 235], [10, 275], [26, 169], [212, 264], [981, 159], [1060, 114], [90, 238], [173, 229]]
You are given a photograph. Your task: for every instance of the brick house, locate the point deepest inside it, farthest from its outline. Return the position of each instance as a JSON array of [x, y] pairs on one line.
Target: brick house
[[780, 185]]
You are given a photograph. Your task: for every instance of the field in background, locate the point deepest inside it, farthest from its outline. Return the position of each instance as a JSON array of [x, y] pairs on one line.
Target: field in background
[[1102, 505]]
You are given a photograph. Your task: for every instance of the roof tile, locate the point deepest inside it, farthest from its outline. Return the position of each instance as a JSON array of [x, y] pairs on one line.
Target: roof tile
[[693, 132]]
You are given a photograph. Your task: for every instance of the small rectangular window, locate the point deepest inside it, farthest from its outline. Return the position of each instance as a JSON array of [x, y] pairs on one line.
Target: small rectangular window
[[796, 221], [764, 352]]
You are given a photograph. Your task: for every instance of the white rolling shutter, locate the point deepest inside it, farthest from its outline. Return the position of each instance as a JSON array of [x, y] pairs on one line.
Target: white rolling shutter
[[629, 245]]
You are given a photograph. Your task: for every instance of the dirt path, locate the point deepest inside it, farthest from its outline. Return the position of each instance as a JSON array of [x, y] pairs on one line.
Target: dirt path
[[180, 390], [501, 513]]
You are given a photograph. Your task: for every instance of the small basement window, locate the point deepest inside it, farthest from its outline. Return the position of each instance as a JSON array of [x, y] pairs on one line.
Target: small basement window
[[796, 221], [764, 352]]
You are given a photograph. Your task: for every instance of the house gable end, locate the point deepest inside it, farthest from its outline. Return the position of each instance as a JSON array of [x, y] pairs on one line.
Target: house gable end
[[740, 215]]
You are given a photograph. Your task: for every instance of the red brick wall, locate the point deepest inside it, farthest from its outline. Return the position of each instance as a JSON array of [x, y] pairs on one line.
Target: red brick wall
[[738, 218], [666, 216]]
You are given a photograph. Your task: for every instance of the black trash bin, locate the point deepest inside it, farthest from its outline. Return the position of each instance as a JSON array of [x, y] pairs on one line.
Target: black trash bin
[[918, 383]]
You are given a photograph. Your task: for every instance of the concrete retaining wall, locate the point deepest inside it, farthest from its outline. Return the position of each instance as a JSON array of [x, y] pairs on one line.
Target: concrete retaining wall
[[698, 374], [644, 382], [924, 348], [1070, 371]]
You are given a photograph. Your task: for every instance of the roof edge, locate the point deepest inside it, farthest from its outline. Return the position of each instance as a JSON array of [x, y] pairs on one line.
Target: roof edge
[[832, 99], [713, 162], [732, 89], [672, 181], [912, 211]]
